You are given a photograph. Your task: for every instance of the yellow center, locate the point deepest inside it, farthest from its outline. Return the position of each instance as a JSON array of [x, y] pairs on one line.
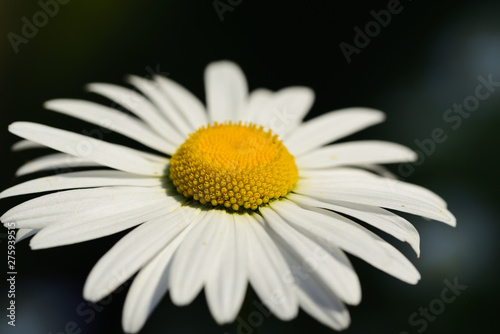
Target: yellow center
[[234, 165]]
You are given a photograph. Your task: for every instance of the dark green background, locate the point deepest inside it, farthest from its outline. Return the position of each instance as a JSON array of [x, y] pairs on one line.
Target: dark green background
[[428, 58]]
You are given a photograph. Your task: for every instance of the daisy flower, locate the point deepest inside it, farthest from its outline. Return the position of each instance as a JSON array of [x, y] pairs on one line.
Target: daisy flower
[[240, 191]]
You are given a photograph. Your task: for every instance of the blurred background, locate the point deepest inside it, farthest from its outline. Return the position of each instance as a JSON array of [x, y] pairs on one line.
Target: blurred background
[[418, 64]]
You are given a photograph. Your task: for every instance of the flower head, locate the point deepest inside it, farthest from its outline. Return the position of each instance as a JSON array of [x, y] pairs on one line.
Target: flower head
[[233, 165], [240, 192]]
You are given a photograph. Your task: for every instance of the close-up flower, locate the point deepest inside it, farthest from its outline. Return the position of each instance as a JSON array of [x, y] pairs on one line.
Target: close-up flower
[[233, 192]]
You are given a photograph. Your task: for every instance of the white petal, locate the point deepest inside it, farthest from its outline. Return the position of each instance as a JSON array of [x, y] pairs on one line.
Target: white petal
[[339, 231], [150, 156], [351, 176], [395, 263], [84, 179], [335, 272], [196, 257], [257, 101], [268, 271], [111, 155], [131, 253], [150, 285], [188, 105], [141, 107], [378, 169], [338, 172], [382, 219], [356, 153], [286, 109], [330, 127], [226, 91], [79, 228], [315, 298], [54, 162], [25, 233], [25, 145], [112, 119], [386, 193], [152, 91], [57, 206], [341, 177], [225, 287]]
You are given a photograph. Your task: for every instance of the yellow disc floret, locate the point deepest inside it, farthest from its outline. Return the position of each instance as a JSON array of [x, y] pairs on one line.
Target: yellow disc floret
[[233, 165]]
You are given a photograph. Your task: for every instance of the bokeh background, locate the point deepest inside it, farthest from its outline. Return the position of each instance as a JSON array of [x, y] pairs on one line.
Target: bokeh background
[[428, 58]]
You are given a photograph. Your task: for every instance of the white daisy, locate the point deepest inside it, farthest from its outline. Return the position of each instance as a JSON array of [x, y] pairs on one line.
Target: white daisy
[[240, 192]]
